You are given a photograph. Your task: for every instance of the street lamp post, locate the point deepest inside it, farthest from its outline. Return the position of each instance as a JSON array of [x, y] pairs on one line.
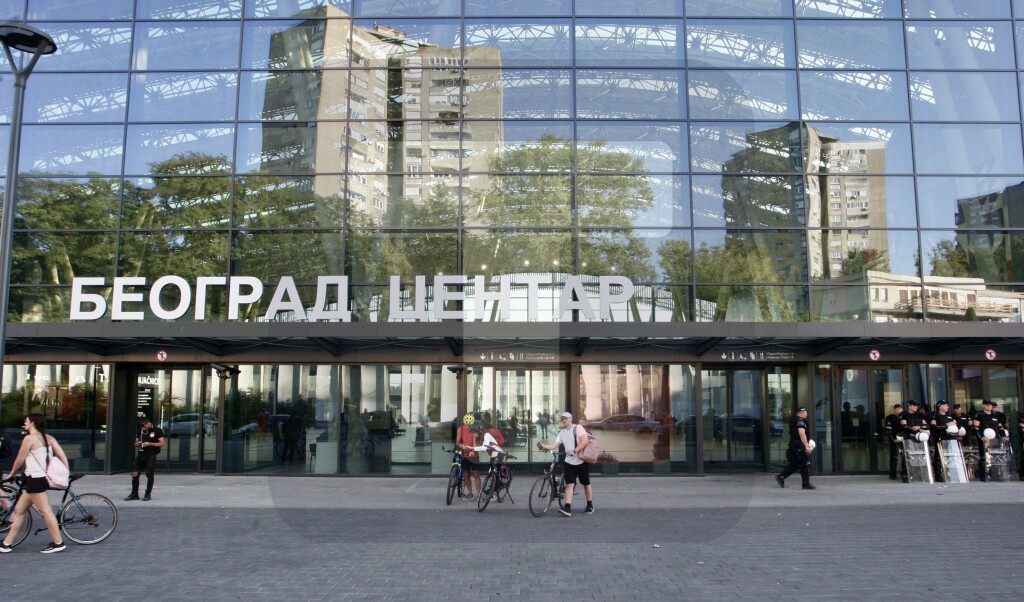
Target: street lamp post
[[31, 41]]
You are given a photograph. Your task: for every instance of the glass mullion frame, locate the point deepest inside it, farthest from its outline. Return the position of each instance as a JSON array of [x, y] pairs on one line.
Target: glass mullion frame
[[191, 46], [88, 47], [854, 95], [271, 255], [968, 149], [509, 8], [298, 44], [55, 258], [196, 96], [751, 303], [69, 150], [742, 94], [631, 146], [289, 202], [851, 44], [750, 201], [509, 43], [879, 298], [633, 200], [877, 9], [43, 203], [950, 202], [633, 94], [853, 148], [751, 256], [181, 10], [186, 253], [373, 256], [296, 95], [938, 96], [736, 43], [283, 9], [420, 8], [496, 252], [629, 43], [848, 255], [79, 10], [396, 42], [862, 201], [184, 200], [74, 98], [176, 149], [518, 94], [732, 8], [982, 257], [967, 45], [957, 9], [750, 147]]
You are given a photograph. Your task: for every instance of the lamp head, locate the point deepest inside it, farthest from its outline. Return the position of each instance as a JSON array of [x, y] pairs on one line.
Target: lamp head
[[26, 38]]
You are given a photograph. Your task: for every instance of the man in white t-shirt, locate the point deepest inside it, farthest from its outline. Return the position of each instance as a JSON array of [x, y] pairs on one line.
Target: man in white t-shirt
[[570, 442]]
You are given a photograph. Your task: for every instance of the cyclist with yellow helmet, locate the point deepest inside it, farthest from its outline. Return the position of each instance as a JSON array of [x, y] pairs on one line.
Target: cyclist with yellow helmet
[[466, 441]]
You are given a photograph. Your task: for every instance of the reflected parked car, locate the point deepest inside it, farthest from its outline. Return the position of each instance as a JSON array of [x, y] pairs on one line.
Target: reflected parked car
[[187, 425], [624, 422]]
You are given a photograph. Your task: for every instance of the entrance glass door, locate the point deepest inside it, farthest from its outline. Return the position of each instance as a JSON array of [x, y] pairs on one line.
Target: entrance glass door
[[867, 395], [523, 402], [734, 431], [179, 402], [996, 383]]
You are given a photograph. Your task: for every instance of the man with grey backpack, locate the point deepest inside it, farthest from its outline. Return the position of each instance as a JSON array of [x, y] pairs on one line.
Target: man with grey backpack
[[570, 443]]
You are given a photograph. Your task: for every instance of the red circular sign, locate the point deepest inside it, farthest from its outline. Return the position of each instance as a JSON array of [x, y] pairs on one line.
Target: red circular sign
[[161, 356], [990, 354], [875, 355]]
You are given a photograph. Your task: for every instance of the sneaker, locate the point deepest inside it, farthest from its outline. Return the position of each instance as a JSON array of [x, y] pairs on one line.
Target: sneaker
[[808, 486], [146, 498], [5, 549], [781, 481], [131, 497], [565, 512], [589, 510], [53, 548]]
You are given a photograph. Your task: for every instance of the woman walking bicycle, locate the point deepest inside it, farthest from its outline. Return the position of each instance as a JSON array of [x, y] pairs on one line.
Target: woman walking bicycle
[[37, 449]]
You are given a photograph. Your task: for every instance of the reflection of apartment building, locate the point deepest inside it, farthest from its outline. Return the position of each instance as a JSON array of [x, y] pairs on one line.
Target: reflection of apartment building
[[405, 102], [989, 251]]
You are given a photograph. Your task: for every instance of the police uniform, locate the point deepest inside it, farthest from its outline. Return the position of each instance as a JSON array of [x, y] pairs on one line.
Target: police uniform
[[892, 428], [985, 420], [797, 453], [145, 459], [940, 432], [911, 423]]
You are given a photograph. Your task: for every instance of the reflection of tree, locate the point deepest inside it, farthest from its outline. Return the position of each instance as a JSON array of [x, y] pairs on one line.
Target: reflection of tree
[[676, 258], [742, 259], [859, 261], [948, 259], [533, 188]]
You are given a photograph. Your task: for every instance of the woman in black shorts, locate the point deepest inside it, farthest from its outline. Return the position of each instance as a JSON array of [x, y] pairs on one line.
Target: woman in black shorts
[[32, 456]]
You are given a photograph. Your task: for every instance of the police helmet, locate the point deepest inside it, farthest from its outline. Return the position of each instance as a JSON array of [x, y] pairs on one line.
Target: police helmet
[[921, 436], [811, 444], [961, 432], [952, 428], [989, 434]]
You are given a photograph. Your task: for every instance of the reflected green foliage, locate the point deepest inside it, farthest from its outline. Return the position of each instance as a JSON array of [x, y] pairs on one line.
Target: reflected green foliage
[[947, 259], [744, 259], [676, 260], [858, 261]]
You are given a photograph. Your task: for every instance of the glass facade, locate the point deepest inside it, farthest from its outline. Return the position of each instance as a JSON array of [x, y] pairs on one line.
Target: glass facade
[[814, 162]]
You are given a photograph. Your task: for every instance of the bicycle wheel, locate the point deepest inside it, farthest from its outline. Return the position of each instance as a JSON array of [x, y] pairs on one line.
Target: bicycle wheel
[[540, 496], [88, 518], [7, 497], [453, 485], [485, 492]]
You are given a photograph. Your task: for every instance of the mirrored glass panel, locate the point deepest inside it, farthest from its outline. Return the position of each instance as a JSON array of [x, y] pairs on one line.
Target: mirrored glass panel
[[75, 97], [938, 96], [288, 202], [738, 43], [497, 252], [411, 200], [12, 10], [514, 43], [273, 255], [88, 47], [975, 45], [870, 45], [618, 252], [311, 44], [847, 95], [58, 257], [855, 9], [654, 8], [653, 147], [629, 42], [750, 94], [747, 303], [507, 151], [861, 201], [956, 9], [5, 143], [189, 254], [521, 199], [183, 200], [375, 256], [439, 8], [633, 200], [968, 149], [974, 203], [188, 149], [749, 202], [855, 255], [263, 9], [632, 94], [737, 147], [71, 149], [500, 8], [180, 10], [412, 43], [79, 10], [881, 298], [283, 148], [985, 256], [188, 46], [68, 203], [518, 94], [183, 97], [739, 8], [858, 148]]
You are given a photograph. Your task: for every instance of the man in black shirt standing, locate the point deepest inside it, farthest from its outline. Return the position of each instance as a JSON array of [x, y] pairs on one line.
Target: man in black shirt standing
[[940, 426], [986, 419], [911, 423], [799, 450], [149, 442], [892, 428]]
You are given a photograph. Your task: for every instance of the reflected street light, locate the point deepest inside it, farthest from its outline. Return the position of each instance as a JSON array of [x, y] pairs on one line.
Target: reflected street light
[[30, 41]]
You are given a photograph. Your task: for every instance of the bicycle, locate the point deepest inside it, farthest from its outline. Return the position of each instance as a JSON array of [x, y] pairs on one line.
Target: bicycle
[[547, 488], [456, 480], [498, 479], [84, 519]]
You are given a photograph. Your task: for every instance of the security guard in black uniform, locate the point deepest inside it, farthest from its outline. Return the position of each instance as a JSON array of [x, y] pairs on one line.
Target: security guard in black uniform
[[985, 419], [940, 421], [892, 428], [911, 423], [963, 421], [799, 450]]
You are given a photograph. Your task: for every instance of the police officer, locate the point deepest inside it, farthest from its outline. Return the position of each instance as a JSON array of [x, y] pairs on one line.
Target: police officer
[[148, 441], [963, 421], [799, 450], [940, 422], [892, 428], [911, 423], [985, 419]]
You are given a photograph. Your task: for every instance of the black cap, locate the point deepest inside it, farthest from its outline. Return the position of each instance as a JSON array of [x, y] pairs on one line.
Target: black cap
[[941, 402], [801, 409], [986, 402], [898, 405], [911, 403], [143, 421]]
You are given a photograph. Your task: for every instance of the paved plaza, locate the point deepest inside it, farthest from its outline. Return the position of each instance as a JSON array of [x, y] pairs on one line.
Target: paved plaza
[[732, 537]]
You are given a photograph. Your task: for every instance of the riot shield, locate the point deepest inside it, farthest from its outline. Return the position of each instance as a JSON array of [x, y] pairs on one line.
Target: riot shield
[[952, 460], [919, 462], [971, 460], [1000, 459]]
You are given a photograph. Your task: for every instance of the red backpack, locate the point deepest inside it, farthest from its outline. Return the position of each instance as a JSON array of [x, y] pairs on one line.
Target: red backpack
[[498, 436]]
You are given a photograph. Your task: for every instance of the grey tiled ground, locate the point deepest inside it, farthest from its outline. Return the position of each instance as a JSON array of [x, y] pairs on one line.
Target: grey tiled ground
[[714, 538]]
